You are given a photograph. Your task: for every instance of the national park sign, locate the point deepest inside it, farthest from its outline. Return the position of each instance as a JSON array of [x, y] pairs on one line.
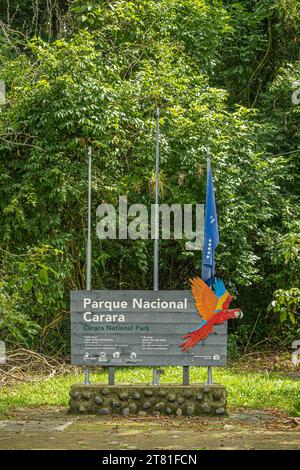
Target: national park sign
[[159, 327], [141, 328]]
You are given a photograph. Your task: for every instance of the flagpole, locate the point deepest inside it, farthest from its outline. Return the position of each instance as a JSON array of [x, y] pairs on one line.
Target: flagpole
[[156, 232], [88, 244], [209, 368], [209, 375], [156, 236]]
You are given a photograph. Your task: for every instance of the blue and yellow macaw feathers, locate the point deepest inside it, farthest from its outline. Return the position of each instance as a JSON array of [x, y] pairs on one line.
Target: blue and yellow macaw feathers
[[208, 302], [218, 287]]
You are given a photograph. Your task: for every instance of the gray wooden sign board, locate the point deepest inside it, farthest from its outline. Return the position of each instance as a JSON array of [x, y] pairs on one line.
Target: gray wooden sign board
[[140, 328]]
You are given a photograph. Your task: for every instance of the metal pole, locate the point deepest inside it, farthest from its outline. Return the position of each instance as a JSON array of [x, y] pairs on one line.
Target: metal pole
[[209, 375], [209, 368], [154, 381], [156, 236], [158, 377], [186, 375], [88, 244], [156, 233], [111, 376]]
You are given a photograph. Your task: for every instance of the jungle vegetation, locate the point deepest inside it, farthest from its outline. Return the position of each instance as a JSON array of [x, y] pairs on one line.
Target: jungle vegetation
[[91, 72]]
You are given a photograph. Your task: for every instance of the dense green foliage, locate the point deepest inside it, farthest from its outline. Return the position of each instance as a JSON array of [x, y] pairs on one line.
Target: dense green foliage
[[93, 72]]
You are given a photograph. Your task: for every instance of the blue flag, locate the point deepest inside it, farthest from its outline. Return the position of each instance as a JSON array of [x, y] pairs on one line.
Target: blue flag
[[211, 230]]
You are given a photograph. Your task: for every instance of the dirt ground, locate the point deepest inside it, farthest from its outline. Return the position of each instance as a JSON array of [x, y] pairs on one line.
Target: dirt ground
[[52, 428]]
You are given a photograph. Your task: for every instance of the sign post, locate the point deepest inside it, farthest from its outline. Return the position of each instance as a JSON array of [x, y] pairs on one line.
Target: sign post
[[156, 236], [156, 233], [185, 375], [88, 243]]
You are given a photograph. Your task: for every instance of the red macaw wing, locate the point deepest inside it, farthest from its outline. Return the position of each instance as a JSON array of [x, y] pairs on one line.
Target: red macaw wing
[[225, 305], [205, 299]]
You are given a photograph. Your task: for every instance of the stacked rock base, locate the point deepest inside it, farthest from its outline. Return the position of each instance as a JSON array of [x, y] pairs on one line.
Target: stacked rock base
[[148, 400]]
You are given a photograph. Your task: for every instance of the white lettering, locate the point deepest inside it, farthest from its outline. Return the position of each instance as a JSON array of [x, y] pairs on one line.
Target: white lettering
[[119, 460], [105, 318], [105, 304], [158, 304]]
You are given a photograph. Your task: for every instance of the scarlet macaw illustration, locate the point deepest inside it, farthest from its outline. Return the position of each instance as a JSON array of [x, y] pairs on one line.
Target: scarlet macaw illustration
[[212, 306]]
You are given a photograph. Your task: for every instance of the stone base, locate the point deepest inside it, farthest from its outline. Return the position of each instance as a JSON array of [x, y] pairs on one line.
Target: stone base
[[148, 400]]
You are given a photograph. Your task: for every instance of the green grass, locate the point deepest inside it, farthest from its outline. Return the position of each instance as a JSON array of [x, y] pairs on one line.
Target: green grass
[[245, 389]]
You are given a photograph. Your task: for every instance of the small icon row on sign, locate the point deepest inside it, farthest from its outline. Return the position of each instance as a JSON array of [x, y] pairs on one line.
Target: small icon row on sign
[[102, 356]]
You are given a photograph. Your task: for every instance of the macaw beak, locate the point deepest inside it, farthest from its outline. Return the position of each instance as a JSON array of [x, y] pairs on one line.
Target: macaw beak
[[238, 314]]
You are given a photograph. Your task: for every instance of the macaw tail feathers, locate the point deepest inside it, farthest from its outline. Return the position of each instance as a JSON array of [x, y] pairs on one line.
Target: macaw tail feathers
[[194, 337]]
